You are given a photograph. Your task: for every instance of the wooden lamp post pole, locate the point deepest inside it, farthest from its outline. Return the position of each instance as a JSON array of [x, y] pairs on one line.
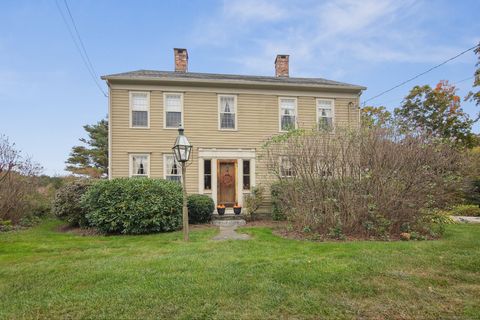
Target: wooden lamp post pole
[[185, 208]]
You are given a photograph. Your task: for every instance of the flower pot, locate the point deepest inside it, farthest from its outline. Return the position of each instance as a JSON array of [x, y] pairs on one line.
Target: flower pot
[[221, 211], [237, 210]]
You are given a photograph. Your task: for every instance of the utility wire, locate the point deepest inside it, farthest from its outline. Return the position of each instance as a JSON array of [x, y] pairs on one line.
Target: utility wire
[[420, 74], [80, 46], [399, 100]]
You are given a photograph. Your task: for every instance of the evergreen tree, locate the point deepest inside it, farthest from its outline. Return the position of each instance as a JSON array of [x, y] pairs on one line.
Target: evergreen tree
[[91, 158]]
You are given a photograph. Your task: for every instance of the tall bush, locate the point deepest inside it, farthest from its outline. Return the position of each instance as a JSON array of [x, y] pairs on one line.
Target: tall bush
[[134, 205], [66, 204], [372, 182]]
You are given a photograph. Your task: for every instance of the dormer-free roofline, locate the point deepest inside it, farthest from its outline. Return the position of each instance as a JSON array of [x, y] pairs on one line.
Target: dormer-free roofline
[[192, 78]]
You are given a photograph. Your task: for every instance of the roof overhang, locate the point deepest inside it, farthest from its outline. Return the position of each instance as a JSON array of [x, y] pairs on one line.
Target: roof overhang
[[229, 83]]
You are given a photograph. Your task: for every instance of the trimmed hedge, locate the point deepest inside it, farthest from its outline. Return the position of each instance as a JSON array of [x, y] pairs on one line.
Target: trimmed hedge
[[66, 204], [200, 208], [134, 205]]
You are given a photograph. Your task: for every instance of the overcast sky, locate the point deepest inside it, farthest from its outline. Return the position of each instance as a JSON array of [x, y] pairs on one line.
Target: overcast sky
[[47, 94]]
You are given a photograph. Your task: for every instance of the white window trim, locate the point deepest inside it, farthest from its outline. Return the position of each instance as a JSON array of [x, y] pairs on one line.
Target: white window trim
[[165, 109], [165, 155], [333, 111], [130, 165], [280, 112], [280, 168], [219, 111], [131, 109]]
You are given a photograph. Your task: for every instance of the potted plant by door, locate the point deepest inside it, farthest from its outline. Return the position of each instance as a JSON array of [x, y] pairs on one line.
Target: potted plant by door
[[237, 209], [221, 209]]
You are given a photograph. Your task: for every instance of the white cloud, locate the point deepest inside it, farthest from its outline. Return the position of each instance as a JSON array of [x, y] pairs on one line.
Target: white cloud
[[323, 38]]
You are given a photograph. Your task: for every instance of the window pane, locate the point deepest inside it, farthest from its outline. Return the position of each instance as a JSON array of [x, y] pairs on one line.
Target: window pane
[[325, 123], [139, 118], [139, 101], [139, 165], [326, 104], [207, 182], [286, 169], [173, 119], [246, 166], [288, 122], [227, 121], [173, 102], [287, 103], [246, 182], [227, 104], [174, 178], [207, 166]]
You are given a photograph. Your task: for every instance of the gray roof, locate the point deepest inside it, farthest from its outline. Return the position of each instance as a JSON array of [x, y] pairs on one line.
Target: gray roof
[[152, 75]]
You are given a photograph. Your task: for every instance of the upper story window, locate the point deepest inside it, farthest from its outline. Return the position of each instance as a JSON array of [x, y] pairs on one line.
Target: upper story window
[[288, 113], [172, 169], [139, 165], [139, 108], [173, 106], [227, 106], [325, 114]]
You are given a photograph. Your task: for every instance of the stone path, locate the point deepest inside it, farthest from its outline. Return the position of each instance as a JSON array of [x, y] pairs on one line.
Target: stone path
[[227, 230], [466, 219]]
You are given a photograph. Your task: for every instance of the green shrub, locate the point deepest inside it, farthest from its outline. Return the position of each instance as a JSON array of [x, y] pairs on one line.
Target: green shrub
[[254, 200], [275, 192], [66, 204], [469, 210], [200, 208], [134, 205]]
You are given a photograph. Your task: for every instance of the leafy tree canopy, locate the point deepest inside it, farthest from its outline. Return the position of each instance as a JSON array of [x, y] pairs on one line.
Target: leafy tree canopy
[[375, 116], [91, 158], [436, 111], [472, 95]]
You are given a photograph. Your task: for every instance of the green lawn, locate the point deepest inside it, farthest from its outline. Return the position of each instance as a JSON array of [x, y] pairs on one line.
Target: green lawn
[[47, 274]]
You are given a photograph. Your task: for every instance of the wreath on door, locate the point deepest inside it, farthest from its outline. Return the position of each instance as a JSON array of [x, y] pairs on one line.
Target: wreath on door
[[227, 179]]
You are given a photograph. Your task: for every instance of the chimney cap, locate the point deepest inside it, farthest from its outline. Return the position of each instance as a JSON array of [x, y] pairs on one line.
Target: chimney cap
[[282, 56]]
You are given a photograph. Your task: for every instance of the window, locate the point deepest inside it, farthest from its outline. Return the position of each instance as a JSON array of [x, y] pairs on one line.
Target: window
[[139, 106], [173, 105], [325, 114], [172, 169], [207, 174], [288, 113], [139, 165], [286, 168], [246, 174], [227, 109]]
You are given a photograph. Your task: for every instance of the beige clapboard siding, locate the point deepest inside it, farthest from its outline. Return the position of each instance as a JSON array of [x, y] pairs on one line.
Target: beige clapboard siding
[[257, 120]]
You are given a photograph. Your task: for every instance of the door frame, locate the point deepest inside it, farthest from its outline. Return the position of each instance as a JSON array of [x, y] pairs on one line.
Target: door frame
[[235, 168]]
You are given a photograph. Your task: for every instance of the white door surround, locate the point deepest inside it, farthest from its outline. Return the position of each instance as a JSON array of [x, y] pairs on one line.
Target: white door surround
[[226, 154]]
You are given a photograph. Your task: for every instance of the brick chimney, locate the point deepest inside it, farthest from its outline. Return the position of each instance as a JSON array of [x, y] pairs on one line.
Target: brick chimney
[[281, 65], [181, 60]]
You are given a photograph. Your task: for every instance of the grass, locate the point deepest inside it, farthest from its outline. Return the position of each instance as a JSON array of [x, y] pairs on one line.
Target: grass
[[48, 274]]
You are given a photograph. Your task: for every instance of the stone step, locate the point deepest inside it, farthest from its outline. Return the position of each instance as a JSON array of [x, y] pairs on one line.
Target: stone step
[[229, 223], [228, 216]]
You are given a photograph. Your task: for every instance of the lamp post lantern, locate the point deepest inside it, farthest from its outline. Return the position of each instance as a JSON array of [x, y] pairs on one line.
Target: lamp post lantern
[[182, 150]]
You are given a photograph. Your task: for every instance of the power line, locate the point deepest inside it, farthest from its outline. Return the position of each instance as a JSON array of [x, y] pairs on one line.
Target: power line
[[399, 100], [80, 46], [421, 74]]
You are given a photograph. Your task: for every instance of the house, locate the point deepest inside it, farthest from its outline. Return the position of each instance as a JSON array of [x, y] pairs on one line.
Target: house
[[226, 118]]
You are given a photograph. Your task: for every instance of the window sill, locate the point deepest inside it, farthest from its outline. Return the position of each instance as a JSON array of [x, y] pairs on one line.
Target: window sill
[[231, 130], [141, 128]]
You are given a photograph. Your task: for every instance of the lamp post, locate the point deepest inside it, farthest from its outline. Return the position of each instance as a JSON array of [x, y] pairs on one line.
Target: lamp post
[[181, 150]]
